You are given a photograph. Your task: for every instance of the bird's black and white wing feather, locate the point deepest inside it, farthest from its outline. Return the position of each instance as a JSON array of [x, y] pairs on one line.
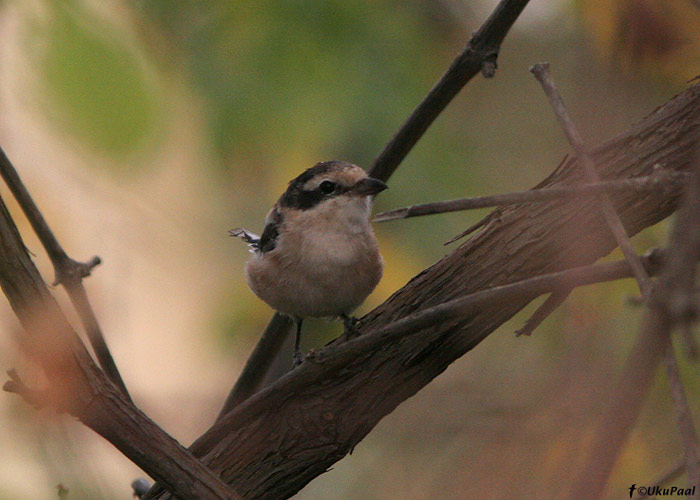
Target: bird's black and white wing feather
[[252, 239], [268, 240]]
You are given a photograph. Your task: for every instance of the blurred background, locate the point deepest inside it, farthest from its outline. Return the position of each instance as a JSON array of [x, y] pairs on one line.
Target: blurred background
[[145, 129]]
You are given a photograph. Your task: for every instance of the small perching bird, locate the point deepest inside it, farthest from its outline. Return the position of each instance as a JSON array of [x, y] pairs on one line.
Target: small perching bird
[[317, 256]]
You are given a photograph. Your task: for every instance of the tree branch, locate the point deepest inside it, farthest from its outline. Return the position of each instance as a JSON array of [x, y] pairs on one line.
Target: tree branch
[[543, 311], [69, 272], [665, 180], [676, 299], [258, 362], [684, 417], [479, 55], [277, 441], [541, 72], [624, 402], [78, 386]]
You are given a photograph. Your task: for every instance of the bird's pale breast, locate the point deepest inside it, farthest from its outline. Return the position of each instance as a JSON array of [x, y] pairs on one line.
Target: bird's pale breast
[[325, 264]]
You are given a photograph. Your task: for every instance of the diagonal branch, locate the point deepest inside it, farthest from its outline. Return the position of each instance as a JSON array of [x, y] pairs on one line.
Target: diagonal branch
[[277, 441], [658, 323], [671, 302], [652, 345], [479, 55], [675, 299], [69, 272], [258, 363], [78, 386], [543, 312], [541, 72], [684, 417]]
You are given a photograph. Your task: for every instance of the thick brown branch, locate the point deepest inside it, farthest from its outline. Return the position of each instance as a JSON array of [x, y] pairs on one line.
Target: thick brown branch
[[273, 450], [69, 272], [78, 386]]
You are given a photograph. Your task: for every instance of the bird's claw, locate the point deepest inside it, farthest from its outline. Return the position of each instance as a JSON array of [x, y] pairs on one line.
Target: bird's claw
[[350, 323], [298, 358]]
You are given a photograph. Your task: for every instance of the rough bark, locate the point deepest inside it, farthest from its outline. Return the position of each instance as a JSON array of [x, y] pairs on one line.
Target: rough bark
[[280, 439], [79, 387]]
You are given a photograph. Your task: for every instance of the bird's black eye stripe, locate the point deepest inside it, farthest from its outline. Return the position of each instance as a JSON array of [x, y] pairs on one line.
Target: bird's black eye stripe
[[297, 197], [327, 187]]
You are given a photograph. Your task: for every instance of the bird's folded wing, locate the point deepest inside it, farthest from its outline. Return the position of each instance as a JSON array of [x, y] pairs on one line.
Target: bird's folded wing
[[252, 239]]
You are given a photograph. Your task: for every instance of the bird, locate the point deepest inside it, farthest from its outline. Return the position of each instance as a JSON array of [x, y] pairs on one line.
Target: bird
[[317, 255]]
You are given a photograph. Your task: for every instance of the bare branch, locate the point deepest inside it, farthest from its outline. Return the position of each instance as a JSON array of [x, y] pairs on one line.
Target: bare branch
[[541, 72], [664, 180], [548, 307], [36, 398], [69, 272], [684, 417], [675, 298], [258, 363], [479, 55], [677, 295], [621, 408], [78, 386], [624, 402], [278, 440]]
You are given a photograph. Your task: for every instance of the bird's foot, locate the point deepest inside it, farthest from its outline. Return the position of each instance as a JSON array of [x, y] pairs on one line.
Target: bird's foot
[[350, 323], [297, 358]]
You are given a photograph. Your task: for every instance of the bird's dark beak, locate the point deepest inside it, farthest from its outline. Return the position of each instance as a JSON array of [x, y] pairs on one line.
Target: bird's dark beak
[[369, 186]]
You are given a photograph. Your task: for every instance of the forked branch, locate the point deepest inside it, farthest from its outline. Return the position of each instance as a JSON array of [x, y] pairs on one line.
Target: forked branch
[[292, 436]]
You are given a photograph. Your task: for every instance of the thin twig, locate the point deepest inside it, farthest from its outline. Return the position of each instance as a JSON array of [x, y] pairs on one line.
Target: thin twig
[[69, 272], [677, 294], [625, 401], [684, 417], [662, 180], [658, 325], [541, 72], [36, 398], [480, 54], [258, 362], [675, 298], [544, 77], [546, 308], [532, 287], [621, 408]]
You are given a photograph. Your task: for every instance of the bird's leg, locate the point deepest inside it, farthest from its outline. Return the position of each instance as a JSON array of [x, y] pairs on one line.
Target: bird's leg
[[298, 357], [350, 324]]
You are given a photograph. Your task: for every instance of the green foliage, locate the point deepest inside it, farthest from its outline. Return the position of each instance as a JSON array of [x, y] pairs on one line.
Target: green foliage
[[94, 81], [326, 76]]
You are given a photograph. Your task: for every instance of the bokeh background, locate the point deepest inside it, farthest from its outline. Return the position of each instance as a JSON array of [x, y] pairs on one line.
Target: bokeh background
[[145, 129]]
